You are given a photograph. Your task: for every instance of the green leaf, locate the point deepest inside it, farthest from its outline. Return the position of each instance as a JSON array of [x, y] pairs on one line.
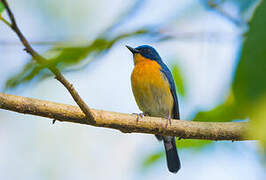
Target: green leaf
[[65, 58], [178, 80], [257, 128], [225, 112], [28, 72], [68, 58], [248, 96], [152, 159], [249, 83], [1, 8], [192, 144]]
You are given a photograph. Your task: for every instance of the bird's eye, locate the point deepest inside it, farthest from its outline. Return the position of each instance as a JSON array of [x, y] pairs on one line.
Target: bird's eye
[[147, 51]]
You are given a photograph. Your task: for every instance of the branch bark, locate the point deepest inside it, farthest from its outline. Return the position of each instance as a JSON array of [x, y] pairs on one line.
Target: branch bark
[[126, 123], [41, 60]]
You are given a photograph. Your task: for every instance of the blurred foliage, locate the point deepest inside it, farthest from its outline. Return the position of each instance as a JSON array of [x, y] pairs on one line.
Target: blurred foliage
[[249, 85], [178, 80], [69, 57], [66, 57], [258, 124], [150, 160], [248, 88], [192, 144], [1, 8], [224, 112]]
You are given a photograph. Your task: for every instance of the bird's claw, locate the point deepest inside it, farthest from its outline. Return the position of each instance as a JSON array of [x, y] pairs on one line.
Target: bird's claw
[[139, 115], [168, 120]]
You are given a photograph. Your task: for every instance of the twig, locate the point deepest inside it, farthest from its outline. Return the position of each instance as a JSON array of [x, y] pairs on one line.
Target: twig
[[83, 106], [233, 131], [5, 21]]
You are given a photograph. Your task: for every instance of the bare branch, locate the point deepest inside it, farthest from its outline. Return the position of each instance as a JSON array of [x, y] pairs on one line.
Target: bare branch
[[83, 106], [126, 123]]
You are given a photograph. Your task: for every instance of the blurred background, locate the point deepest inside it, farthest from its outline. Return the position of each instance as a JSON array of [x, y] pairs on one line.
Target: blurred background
[[215, 49]]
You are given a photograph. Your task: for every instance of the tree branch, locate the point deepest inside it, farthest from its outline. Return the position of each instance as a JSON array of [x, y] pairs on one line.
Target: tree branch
[[124, 122], [83, 106]]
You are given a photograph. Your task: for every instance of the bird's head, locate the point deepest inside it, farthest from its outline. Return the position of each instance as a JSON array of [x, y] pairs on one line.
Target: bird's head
[[144, 52]]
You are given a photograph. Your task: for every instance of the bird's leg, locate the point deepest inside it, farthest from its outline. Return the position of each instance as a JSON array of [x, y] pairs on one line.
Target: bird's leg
[[168, 120]]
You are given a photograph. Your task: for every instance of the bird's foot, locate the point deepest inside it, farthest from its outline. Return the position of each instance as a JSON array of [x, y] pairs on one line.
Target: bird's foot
[[139, 115], [168, 121]]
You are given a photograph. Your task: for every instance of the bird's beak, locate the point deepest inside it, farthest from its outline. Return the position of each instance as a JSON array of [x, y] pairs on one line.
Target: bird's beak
[[133, 50]]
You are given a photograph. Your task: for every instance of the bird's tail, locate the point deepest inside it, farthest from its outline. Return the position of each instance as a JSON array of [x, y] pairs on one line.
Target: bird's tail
[[173, 162]]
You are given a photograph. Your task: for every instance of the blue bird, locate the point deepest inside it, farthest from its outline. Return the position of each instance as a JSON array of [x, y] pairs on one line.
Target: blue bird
[[155, 94]]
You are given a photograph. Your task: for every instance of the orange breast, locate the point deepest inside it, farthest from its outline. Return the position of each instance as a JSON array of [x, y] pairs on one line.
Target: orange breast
[[151, 88]]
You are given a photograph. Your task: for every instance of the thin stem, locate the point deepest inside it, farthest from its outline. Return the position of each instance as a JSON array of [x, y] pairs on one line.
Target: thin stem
[[5, 21], [83, 106]]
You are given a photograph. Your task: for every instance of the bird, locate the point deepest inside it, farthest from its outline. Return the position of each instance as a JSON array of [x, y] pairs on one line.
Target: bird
[[154, 90]]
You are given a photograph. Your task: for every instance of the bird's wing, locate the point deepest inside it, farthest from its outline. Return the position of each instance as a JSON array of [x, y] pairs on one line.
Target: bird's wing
[[169, 77]]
